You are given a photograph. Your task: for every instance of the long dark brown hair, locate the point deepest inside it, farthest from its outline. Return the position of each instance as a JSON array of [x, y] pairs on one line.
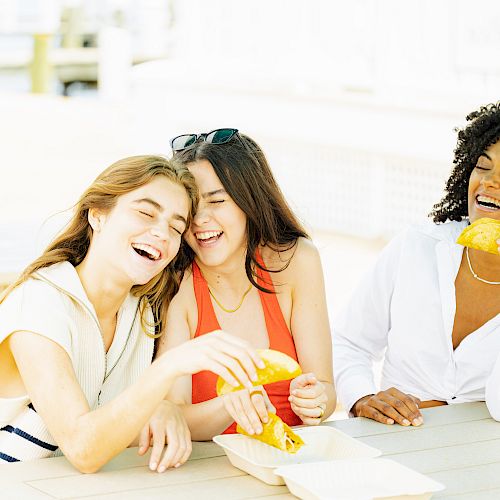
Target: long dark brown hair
[[243, 170], [122, 177]]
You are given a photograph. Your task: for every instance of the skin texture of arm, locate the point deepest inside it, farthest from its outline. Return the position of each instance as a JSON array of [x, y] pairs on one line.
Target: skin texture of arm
[[310, 328], [91, 438], [206, 419]]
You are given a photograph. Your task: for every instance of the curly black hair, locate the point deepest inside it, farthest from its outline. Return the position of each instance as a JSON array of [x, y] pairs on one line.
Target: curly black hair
[[473, 140]]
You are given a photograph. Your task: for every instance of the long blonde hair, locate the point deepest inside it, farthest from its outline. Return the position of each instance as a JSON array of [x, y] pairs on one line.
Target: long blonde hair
[[73, 242]]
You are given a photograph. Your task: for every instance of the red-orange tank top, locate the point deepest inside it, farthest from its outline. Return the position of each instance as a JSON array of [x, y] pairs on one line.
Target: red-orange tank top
[[279, 335]]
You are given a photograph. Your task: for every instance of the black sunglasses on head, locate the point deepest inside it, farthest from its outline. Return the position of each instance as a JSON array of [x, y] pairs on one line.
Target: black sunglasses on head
[[217, 136]]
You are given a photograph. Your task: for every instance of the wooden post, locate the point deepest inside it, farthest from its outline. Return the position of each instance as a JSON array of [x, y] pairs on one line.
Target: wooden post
[[41, 70]]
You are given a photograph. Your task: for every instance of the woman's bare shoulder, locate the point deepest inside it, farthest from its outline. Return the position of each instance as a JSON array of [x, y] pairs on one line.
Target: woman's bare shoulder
[[185, 294], [292, 260], [183, 305]]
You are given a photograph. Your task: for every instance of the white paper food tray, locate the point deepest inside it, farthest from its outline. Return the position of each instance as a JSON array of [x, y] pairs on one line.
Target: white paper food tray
[[357, 479], [321, 443]]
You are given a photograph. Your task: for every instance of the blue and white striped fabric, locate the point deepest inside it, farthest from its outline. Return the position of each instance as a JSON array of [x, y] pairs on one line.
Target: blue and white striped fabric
[[26, 438]]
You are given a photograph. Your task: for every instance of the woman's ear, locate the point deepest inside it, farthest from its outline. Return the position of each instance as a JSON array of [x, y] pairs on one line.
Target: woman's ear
[[95, 219]]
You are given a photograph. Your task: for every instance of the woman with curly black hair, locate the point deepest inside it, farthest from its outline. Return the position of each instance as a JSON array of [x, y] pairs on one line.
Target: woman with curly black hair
[[430, 307]]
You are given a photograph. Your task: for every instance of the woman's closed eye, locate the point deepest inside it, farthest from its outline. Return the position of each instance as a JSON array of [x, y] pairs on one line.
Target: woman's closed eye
[[177, 230], [146, 214], [216, 201], [483, 163]]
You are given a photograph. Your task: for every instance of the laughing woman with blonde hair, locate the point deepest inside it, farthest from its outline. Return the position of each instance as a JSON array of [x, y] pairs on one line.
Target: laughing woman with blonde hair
[[77, 328]]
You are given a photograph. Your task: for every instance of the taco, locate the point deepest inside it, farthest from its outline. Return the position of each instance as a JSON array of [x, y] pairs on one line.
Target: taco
[[481, 235], [276, 433], [278, 366]]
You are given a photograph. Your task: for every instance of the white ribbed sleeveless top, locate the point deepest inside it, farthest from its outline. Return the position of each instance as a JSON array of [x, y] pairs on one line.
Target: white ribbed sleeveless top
[[54, 304]]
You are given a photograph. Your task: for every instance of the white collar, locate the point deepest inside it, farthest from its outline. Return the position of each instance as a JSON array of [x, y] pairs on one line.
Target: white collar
[[449, 231], [64, 277]]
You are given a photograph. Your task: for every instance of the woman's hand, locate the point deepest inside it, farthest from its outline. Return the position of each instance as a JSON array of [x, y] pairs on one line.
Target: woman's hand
[[166, 426], [249, 408], [308, 398], [228, 356], [390, 406]]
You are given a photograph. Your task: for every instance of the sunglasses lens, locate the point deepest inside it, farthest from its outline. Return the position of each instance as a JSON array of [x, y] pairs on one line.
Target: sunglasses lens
[[183, 142], [221, 135]]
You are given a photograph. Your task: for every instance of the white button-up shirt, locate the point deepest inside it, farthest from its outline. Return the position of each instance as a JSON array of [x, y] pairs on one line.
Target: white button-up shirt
[[405, 309]]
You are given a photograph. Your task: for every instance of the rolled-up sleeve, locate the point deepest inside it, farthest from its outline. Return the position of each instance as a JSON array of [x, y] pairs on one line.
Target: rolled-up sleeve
[[360, 331]]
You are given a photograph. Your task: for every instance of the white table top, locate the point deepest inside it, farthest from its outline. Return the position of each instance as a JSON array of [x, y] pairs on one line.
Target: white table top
[[458, 445]]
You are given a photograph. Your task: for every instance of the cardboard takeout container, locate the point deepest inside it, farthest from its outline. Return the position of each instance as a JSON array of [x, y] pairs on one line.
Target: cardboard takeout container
[[357, 479], [321, 443]]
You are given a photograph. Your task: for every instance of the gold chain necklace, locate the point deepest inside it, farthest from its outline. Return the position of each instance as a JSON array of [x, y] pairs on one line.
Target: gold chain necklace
[[237, 307], [474, 274]]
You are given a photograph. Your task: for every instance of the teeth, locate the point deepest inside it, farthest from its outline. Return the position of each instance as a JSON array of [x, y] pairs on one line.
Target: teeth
[[488, 199], [153, 252], [207, 235]]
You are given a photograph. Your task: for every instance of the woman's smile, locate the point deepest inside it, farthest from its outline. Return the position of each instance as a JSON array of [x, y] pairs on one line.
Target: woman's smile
[[218, 230], [487, 203], [208, 239]]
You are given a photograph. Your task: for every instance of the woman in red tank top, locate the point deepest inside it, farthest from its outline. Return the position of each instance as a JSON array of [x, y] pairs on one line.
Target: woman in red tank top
[[256, 275]]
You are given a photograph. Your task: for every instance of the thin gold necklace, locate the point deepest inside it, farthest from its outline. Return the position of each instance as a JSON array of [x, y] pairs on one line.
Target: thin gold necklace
[[237, 307], [474, 274]]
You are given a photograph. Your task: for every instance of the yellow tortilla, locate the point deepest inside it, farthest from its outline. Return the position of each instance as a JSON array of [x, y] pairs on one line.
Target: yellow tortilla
[[279, 366], [481, 235], [276, 433]]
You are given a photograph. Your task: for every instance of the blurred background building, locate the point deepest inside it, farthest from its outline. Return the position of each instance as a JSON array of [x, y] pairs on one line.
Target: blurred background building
[[354, 102]]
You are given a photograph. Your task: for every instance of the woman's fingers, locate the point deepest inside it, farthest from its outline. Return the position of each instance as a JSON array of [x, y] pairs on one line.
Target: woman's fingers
[[234, 367], [309, 400], [171, 450], [249, 409], [417, 401], [269, 406], [178, 447], [386, 409], [256, 359], [245, 407], [394, 405], [308, 403], [231, 358], [407, 401], [311, 421], [158, 445], [306, 419], [259, 403], [144, 439], [316, 412], [309, 392], [189, 446], [235, 409], [223, 372], [371, 412], [167, 426], [304, 380], [242, 362], [406, 415]]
